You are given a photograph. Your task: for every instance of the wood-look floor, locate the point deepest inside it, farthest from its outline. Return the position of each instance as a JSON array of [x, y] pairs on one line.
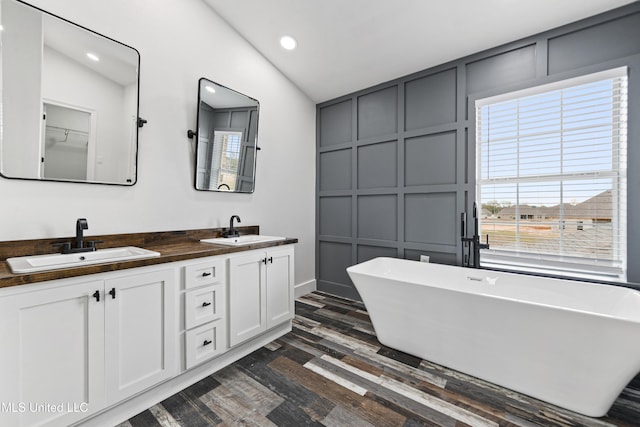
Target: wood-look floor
[[331, 371]]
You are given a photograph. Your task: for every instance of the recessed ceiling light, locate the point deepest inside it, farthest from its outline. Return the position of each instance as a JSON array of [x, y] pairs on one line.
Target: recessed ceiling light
[[288, 42], [210, 89], [92, 56]]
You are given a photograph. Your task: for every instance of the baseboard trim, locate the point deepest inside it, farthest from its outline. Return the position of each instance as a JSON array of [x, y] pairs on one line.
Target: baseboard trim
[[304, 288]]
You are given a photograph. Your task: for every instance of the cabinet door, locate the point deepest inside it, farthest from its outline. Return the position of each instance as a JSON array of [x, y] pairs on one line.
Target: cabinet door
[[247, 314], [51, 355], [140, 332], [280, 302]]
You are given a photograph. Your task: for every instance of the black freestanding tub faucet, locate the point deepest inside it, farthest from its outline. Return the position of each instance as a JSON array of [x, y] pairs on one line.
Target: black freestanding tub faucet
[[473, 243]]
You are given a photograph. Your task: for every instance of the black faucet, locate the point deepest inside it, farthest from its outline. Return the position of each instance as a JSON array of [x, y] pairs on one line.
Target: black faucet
[[81, 224], [474, 241], [232, 232]]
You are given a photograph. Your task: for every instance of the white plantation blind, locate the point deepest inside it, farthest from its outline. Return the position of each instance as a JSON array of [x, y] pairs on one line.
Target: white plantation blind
[[551, 177]]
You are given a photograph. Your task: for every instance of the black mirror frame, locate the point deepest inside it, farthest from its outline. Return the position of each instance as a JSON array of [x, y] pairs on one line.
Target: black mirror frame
[[140, 121], [191, 134]]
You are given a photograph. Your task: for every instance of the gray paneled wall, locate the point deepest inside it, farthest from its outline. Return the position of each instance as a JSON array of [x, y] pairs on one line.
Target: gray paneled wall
[[396, 163]]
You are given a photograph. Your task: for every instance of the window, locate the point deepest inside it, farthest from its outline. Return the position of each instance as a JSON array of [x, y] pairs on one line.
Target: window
[[231, 152], [225, 160], [551, 177]]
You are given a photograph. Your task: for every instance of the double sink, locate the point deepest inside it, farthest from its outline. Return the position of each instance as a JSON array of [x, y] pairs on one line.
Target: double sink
[[35, 263]]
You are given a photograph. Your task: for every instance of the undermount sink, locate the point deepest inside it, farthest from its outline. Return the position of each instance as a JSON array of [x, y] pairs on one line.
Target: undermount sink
[[248, 239], [33, 263]]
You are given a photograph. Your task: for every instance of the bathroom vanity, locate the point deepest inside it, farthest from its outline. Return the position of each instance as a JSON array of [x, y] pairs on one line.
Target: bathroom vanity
[[97, 344]]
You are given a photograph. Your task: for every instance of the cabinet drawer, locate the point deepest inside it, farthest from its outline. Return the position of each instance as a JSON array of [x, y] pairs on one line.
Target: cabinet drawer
[[204, 305], [206, 273], [205, 342]]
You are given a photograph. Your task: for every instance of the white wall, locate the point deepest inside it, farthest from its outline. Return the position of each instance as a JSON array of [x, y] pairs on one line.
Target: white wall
[[24, 43], [68, 82], [171, 36]]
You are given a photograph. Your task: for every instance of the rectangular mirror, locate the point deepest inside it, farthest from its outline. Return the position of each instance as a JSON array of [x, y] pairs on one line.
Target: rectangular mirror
[[69, 100], [226, 139]]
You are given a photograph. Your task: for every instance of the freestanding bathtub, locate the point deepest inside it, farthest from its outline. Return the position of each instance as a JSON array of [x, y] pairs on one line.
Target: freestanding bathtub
[[572, 344]]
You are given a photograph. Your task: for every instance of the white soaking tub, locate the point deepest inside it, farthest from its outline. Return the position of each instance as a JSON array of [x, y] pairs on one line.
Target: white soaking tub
[[569, 343]]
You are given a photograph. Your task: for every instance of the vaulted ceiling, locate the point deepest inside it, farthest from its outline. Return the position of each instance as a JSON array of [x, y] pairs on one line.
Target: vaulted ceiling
[[347, 45]]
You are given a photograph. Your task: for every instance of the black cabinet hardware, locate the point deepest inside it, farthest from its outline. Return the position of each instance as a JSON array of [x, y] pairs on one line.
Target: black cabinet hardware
[[112, 292], [96, 295], [206, 342], [206, 304], [271, 259], [206, 274], [264, 260]]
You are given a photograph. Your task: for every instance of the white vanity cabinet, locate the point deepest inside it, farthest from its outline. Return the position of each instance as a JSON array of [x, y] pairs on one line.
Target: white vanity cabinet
[[139, 332], [100, 348], [261, 292], [71, 349], [51, 353], [205, 310]]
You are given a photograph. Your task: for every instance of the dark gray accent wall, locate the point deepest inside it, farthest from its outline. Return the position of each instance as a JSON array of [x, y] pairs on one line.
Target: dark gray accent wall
[[396, 162]]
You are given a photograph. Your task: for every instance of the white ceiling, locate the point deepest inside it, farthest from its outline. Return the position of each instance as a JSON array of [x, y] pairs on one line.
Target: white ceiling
[[223, 97], [347, 45], [117, 62]]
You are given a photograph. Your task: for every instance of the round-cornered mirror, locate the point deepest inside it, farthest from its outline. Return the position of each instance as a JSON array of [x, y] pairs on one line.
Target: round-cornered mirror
[[69, 100], [226, 139]]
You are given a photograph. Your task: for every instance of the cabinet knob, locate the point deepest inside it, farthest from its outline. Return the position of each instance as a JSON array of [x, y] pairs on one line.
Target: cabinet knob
[[206, 274], [96, 295], [112, 292], [206, 304], [206, 342], [270, 260], [264, 260]]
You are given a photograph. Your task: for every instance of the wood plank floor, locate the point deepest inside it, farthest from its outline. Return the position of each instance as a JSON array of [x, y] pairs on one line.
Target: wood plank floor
[[331, 371]]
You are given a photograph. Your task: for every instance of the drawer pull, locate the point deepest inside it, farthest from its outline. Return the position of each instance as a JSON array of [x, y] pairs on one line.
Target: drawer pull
[[96, 295], [206, 274], [206, 304], [206, 342]]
